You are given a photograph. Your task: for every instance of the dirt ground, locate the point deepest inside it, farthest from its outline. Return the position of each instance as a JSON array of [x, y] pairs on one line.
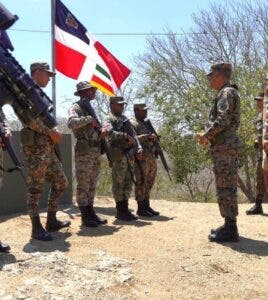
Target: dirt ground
[[166, 257]]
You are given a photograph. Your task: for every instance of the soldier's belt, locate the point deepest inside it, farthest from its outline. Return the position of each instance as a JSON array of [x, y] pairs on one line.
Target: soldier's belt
[[90, 143], [221, 137]]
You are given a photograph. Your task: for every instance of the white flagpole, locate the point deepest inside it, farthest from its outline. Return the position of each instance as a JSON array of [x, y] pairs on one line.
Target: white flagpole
[[53, 55]]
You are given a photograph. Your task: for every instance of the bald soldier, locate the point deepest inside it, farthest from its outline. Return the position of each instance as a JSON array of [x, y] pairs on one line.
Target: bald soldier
[[148, 162], [221, 134], [256, 209], [43, 165], [88, 134], [3, 247]]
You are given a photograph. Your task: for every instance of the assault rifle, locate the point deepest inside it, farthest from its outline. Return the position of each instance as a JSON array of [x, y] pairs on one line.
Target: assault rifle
[[85, 104], [128, 129], [150, 127], [11, 151], [17, 87]]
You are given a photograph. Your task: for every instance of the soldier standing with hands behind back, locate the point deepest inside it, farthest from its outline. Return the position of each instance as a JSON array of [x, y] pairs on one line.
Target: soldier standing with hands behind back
[[224, 143]]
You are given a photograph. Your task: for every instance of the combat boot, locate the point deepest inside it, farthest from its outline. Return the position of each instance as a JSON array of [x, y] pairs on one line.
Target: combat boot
[[38, 232], [128, 212], [256, 209], [53, 224], [94, 216], [142, 211], [148, 208], [226, 233], [86, 219], [122, 212], [4, 247]]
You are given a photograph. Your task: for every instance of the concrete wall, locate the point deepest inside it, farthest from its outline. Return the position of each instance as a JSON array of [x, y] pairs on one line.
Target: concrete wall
[[13, 192]]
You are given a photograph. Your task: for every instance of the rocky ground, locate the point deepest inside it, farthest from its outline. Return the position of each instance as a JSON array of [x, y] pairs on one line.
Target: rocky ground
[[166, 257]]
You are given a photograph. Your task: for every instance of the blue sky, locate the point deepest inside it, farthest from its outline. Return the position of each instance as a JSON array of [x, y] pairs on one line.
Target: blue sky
[[114, 16]]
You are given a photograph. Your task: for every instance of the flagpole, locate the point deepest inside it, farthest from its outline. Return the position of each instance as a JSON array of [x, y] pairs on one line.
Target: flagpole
[[53, 55]]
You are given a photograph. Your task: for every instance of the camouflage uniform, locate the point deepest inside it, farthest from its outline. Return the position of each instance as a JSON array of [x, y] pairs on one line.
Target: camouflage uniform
[[6, 126], [148, 162], [43, 165], [87, 153], [121, 170], [223, 123], [260, 186]]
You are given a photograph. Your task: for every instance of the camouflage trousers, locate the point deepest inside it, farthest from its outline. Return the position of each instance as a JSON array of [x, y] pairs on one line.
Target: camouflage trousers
[[122, 182], [43, 165], [87, 168], [260, 185], [225, 169], [149, 167]]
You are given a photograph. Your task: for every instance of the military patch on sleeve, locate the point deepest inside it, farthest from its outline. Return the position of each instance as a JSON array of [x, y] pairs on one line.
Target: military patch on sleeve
[[223, 105]]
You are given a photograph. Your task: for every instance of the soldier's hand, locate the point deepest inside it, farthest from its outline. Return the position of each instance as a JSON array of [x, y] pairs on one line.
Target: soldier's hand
[[265, 145], [55, 136], [152, 137], [8, 133], [129, 139], [103, 133], [94, 123], [139, 154], [202, 140]]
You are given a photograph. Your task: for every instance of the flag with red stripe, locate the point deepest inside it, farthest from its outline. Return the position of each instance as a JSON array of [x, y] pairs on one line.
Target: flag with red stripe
[[80, 56]]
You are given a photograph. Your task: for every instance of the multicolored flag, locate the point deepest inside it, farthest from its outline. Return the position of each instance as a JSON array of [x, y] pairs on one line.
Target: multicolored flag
[[80, 56]]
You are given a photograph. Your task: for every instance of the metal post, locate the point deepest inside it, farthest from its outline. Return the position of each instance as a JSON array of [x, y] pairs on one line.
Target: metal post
[[53, 54]]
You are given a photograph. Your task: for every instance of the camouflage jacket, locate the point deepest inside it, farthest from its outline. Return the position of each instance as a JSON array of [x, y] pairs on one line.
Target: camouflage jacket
[[116, 137], [143, 134], [224, 118], [79, 121]]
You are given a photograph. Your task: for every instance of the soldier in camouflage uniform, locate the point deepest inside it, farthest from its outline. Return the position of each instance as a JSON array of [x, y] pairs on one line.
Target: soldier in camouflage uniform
[[256, 209], [88, 134], [121, 146], [222, 135], [43, 165], [3, 247], [148, 162]]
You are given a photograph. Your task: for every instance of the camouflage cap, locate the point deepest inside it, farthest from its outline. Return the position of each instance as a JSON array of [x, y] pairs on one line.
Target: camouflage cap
[[140, 106], [118, 100], [41, 65], [259, 97], [223, 67], [82, 85]]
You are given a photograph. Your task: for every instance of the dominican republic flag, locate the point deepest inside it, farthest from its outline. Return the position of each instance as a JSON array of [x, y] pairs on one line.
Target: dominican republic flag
[[5, 41], [80, 56]]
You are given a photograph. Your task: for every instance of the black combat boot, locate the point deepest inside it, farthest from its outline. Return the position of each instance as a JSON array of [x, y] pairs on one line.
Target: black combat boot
[[53, 224], [86, 219], [128, 212], [38, 232], [122, 212], [93, 215], [226, 233], [256, 209], [4, 247], [148, 208], [142, 210]]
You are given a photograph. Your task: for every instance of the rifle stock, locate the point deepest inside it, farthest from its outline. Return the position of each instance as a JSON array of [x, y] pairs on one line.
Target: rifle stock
[[150, 127], [11, 151]]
